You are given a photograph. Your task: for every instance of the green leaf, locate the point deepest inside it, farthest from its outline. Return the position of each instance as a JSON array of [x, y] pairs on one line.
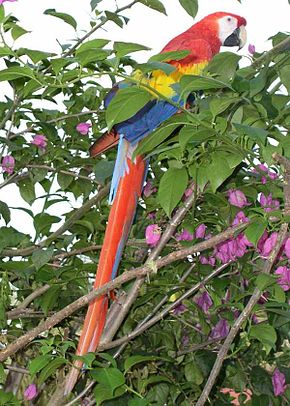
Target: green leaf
[[154, 4], [41, 257], [219, 170], [92, 55], [111, 378], [94, 44], [38, 363], [263, 281], [266, 334], [43, 222], [169, 56], [17, 32], [284, 73], [2, 374], [16, 72], [115, 18], [172, 186], [2, 13], [125, 48], [190, 6], [5, 51], [219, 105], [136, 359], [50, 369], [104, 170], [125, 104], [193, 83], [4, 212], [67, 18], [255, 133], [255, 230], [94, 3], [158, 136], [64, 180], [223, 66], [193, 373], [47, 300], [188, 133], [33, 54], [153, 379]]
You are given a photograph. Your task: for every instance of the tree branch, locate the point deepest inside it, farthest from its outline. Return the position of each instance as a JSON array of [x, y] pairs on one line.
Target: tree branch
[[267, 56], [125, 277]]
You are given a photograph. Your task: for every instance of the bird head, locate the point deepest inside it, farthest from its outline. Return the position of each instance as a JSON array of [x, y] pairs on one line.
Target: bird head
[[228, 28]]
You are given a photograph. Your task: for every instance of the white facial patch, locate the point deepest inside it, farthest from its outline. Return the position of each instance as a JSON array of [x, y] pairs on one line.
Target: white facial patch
[[227, 26]]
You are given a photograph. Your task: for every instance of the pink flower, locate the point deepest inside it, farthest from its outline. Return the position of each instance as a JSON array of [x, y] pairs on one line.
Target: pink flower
[[273, 175], [269, 244], [204, 301], [149, 189], [207, 261], [287, 248], [3, 1], [30, 392], [178, 309], [251, 49], [262, 168], [237, 198], [200, 231], [221, 329], [268, 203], [83, 128], [8, 164], [152, 234], [278, 382], [284, 280], [240, 218], [184, 236], [40, 141], [261, 242]]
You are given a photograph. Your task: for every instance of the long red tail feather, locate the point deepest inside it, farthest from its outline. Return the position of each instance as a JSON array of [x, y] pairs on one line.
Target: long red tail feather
[[117, 231]]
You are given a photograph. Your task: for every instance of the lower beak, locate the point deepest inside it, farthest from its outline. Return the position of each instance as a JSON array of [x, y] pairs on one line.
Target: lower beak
[[237, 38]]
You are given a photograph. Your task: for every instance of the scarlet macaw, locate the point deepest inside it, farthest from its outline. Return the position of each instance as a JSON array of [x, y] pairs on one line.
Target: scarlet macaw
[[203, 40]]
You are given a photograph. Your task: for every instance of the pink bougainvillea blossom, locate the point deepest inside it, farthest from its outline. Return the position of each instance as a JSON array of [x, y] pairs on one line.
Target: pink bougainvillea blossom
[[287, 248], [179, 309], [269, 244], [152, 234], [8, 164], [251, 49], [221, 329], [240, 218], [207, 261], [200, 231], [185, 235], [40, 141], [269, 203], [83, 128], [278, 382], [204, 301], [237, 198], [189, 191], [3, 1], [284, 277], [149, 189], [30, 392]]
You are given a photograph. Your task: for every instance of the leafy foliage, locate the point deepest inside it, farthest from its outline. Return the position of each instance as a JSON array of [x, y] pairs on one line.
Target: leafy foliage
[[223, 143]]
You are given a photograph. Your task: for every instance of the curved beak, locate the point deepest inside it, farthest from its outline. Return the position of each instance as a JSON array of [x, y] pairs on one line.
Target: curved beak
[[237, 38]]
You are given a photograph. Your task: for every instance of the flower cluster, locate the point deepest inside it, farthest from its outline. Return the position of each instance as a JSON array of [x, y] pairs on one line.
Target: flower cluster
[[266, 172], [8, 164], [83, 128]]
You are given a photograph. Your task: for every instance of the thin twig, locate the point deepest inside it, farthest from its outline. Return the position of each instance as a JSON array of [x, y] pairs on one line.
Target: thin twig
[[67, 224], [164, 312]]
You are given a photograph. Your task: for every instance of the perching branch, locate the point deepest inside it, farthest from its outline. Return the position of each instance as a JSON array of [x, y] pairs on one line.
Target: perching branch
[[267, 56], [125, 277]]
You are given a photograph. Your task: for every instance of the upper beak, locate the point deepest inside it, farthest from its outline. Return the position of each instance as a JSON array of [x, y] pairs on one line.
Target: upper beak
[[237, 38]]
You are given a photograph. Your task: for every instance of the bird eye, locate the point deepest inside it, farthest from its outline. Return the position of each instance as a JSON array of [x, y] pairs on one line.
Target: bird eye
[[229, 19]]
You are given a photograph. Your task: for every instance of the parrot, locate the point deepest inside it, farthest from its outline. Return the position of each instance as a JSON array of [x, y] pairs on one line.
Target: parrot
[[203, 40]]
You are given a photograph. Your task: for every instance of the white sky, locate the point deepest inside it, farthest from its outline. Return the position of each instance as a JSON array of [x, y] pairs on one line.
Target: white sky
[[265, 18]]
